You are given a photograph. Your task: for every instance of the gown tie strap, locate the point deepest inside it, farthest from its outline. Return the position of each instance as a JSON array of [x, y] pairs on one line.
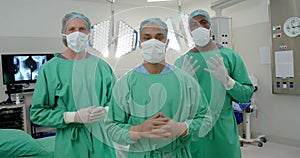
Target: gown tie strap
[[88, 138]]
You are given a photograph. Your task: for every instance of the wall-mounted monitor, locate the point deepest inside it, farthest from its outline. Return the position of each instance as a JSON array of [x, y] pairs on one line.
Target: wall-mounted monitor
[[22, 68]]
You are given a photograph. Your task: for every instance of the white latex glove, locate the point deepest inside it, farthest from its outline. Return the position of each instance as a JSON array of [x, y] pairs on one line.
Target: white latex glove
[[220, 72], [188, 67], [174, 128], [97, 113], [86, 115]]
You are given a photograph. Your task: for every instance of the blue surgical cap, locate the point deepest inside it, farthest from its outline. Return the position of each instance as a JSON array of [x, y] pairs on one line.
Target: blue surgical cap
[[200, 12], [157, 21], [70, 16]]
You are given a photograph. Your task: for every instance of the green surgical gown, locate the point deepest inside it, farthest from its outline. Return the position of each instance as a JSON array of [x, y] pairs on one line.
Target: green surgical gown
[[138, 96], [222, 140], [66, 86]]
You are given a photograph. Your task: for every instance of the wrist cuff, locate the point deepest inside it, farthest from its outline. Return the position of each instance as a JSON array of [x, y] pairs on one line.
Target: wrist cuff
[[230, 83], [106, 108], [187, 129], [69, 117]]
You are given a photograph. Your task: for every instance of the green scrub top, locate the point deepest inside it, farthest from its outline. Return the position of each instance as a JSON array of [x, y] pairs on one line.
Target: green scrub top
[[138, 96], [67, 86], [223, 139]]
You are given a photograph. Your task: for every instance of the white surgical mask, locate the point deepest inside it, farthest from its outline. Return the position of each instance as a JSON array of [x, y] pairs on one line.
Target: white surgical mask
[[201, 36], [77, 41], [153, 51]]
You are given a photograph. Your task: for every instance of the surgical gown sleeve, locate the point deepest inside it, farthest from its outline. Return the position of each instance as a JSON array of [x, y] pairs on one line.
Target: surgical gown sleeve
[[201, 122], [116, 123], [243, 87], [43, 110], [110, 82]]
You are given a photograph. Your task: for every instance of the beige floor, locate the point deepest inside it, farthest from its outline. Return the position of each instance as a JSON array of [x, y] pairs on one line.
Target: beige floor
[[270, 150]]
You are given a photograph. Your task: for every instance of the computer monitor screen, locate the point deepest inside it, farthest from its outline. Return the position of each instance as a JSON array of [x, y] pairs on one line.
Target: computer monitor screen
[[22, 68]]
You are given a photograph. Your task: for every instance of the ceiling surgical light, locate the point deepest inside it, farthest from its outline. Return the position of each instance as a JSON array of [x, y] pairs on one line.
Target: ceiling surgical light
[[174, 42], [184, 25], [126, 40], [101, 37]]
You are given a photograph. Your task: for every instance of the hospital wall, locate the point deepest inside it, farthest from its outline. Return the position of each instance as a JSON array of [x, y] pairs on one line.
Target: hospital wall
[[277, 115], [36, 28]]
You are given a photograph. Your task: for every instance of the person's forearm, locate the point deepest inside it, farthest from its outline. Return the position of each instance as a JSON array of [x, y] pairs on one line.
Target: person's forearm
[[135, 132]]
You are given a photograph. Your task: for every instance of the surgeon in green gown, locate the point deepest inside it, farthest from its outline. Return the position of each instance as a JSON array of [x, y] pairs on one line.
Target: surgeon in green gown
[[228, 68], [72, 92], [157, 109]]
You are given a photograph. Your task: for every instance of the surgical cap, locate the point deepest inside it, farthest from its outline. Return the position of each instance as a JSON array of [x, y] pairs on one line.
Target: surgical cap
[[157, 21], [200, 12], [70, 16]]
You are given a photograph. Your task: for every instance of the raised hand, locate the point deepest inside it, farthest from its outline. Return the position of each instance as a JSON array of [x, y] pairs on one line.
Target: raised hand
[[190, 67], [219, 70]]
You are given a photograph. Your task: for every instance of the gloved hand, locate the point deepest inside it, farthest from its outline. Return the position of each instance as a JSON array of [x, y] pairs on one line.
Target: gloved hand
[[174, 128], [86, 115], [145, 129], [220, 72], [159, 127], [188, 67]]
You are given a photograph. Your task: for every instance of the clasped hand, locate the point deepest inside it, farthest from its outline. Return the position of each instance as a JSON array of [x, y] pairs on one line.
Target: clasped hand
[[159, 127]]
